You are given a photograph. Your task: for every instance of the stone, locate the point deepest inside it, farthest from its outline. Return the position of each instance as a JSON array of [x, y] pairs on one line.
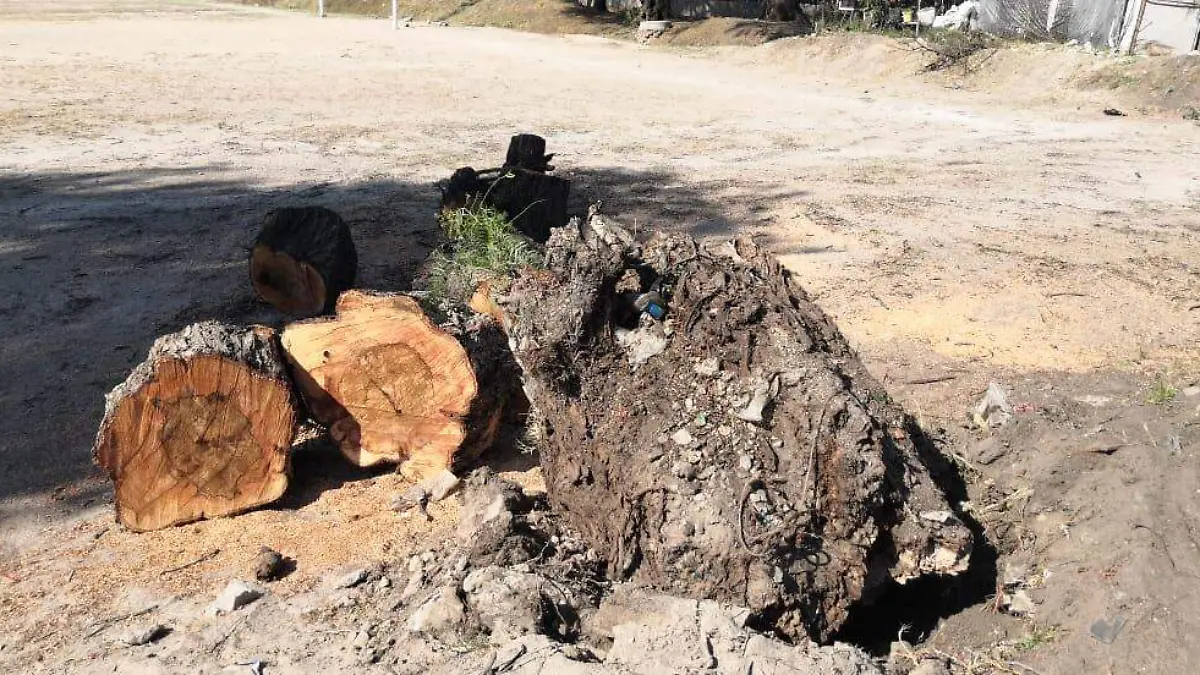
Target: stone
[[361, 640], [708, 367], [440, 614], [441, 485], [145, 635], [236, 595], [1018, 603], [416, 581], [351, 579], [682, 437], [931, 667], [269, 565], [506, 602]]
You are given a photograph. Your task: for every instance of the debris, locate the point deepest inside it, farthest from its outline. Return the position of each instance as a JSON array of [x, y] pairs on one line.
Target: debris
[[269, 565], [361, 640], [942, 517], [708, 367], [441, 485], [203, 558], [964, 17], [1093, 400], [993, 409], [641, 345], [1107, 632], [1018, 603], [441, 613], [256, 666], [764, 391], [416, 495], [682, 437], [1113, 112], [352, 579], [146, 635], [236, 595]]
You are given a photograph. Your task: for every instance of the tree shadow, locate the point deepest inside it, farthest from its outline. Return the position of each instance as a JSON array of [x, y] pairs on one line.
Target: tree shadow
[[95, 265]]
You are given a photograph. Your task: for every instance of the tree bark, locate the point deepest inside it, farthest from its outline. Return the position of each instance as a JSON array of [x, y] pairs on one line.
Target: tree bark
[[202, 428], [735, 450], [393, 387], [302, 260]]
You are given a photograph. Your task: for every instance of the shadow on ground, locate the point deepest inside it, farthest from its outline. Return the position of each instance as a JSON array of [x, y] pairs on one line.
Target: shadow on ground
[[94, 266]]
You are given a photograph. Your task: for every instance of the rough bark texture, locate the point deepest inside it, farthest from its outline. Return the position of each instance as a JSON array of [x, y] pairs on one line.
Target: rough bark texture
[[394, 387], [736, 451], [533, 201], [200, 429], [302, 260]]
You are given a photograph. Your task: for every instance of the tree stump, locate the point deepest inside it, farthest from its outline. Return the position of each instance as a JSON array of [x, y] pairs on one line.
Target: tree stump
[[202, 428], [393, 387], [736, 450], [302, 260], [528, 151]]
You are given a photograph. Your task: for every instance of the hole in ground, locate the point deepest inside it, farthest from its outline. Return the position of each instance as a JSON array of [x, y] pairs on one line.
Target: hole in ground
[[918, 606]]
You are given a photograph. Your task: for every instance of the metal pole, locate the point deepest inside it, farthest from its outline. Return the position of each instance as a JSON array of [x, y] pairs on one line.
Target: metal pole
[[1137, 26], [321, 9], [395, 14]]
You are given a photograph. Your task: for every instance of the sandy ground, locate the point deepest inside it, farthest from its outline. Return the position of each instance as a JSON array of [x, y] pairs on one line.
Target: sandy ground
[[963, 235]]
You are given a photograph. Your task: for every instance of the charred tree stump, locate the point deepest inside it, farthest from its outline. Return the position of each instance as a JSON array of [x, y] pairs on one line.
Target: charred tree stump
[[534, 202], [202, 428], [393, 387], [737, 449], [302, 260], [528, 151]]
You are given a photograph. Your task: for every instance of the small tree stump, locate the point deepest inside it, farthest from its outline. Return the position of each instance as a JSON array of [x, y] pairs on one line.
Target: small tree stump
[[393, 387], [202, 428], [302, 260], [528, 151]]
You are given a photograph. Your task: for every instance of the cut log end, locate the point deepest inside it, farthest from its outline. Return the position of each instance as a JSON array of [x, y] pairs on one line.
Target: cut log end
[[302, 260], [202, 429], [391, 385], [291, 286]]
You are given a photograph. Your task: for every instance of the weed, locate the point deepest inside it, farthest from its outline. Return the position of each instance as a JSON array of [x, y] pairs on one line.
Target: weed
[[953, 47], [1037, 638], [1192, 114], [1161, 393], [880, 396], [630, 17], [482, 245]]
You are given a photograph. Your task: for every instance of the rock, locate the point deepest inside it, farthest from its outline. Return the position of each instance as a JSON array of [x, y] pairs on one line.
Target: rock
[[441, 485], [708, 367], [1018, 603], [146, 635], [412, 497], [361, 640], [352, 579], [441, 614], [682, 437], [931, 667], [993, 410], [508, 603], [1191, 392], [658, 634], [383, 584], [416, 581], [269, 565], [236, 595]]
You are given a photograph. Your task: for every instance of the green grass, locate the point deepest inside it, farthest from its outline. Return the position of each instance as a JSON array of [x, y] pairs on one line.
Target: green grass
[[1037, 638], [482, 245], [1161, 393]]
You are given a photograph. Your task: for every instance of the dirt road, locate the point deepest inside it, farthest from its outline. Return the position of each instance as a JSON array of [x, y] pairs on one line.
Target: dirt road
[[951, 232]]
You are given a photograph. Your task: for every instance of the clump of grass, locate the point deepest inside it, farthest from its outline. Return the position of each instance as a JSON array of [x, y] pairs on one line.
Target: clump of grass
[[482, 245], [1161, 393], [1036, 638]]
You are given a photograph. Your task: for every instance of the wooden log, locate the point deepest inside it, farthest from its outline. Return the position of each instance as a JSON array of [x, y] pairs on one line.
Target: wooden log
[[528, 151], [740, 452], [302, 260], [202, 428], [393, 387]]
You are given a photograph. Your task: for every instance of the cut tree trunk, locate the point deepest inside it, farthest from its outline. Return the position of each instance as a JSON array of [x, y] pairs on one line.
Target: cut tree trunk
[[736, 451], [528, 151], [534, 202], [393, 387], [202, 428], [302, 260]]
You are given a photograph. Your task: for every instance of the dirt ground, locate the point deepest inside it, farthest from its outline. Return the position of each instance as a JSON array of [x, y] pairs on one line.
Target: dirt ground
[[962, 229]]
